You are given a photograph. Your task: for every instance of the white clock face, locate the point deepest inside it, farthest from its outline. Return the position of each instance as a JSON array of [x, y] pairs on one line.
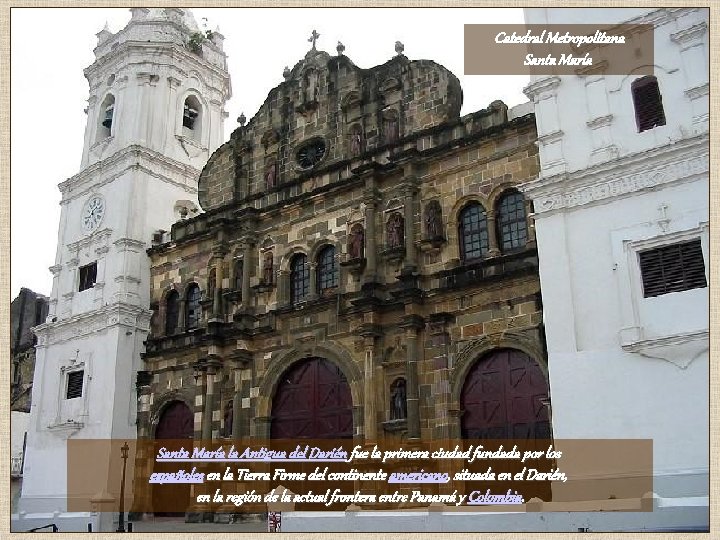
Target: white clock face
[[93, 212]]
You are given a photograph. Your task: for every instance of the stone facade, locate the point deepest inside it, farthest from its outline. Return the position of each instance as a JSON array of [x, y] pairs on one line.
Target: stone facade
[[27, 310], [378, 164]]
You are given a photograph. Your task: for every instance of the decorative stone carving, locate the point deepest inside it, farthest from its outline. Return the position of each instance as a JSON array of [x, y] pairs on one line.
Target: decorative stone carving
[[271, 175], [398, 401], [356, 242], [356, 140], [395, 231], [268, 270], [391, 128], [433, 220]]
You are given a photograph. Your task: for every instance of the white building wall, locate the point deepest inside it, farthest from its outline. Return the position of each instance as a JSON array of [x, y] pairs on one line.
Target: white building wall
[[621, 365], [144, 171]]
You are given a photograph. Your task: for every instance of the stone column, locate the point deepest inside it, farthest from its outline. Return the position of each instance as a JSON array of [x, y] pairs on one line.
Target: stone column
[[238, 426], [217, 293], [494, 249], [181, 323], [283, 287], [370, 238], [411, 324], [313, 292], [247, 265], [218, 254], [212, 365], [370, 419], [237, 403], [409, 217]]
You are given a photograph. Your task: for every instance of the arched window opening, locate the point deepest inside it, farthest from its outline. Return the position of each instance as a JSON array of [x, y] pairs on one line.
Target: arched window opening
[[193, 310], [172, 310], [192, 118], [107, 114], [327, 270], [299, 278], [473, 232], [649, 111], [398, 401], [512, 221]]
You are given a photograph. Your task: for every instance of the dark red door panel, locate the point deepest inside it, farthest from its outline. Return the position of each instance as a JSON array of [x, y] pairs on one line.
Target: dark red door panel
[[503, 397], [312, 401]]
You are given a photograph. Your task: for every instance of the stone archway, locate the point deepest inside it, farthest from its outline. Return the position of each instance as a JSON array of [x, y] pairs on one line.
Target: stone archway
[[312, 400], [505, 397]]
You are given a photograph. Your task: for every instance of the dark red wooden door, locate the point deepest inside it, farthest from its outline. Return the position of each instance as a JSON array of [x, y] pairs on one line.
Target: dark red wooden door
[[176, 422], [312, 400], [503, 397]]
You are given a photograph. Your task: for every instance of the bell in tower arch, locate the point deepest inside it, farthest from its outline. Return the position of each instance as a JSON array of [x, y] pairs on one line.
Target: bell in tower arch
[[107, 121]]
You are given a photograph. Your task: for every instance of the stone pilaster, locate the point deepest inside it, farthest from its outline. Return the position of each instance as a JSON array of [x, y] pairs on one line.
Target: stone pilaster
[[493, 248], [247, 265], [313, 292], [370, 200], [211, 368], [409, 191], [412, 324]]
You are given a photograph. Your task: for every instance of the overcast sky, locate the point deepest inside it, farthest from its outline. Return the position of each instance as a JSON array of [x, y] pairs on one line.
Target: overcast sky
[[52, 46]]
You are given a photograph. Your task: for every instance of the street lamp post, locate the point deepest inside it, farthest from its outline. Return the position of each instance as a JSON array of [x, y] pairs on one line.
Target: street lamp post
[[121, 521]]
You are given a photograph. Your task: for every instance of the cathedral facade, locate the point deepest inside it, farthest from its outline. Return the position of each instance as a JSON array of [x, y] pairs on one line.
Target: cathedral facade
[[364, 268]]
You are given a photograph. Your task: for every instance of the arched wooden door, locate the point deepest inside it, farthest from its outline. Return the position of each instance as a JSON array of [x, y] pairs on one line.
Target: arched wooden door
[[176, 422], [312, 401], [505, 396]]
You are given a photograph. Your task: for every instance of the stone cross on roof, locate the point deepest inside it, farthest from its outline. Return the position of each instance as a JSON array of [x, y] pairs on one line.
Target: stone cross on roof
[[314, 38]]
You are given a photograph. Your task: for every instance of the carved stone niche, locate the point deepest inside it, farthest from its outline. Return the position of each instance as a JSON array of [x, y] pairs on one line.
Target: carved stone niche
[[309, 90], [433, 228], [351, 106], [267, 279], [355, 141], [394, 237], [391, 91], [355, 261], [270, 139]]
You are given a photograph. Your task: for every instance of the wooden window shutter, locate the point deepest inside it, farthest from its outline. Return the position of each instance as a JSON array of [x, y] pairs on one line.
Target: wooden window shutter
[[673, 268]]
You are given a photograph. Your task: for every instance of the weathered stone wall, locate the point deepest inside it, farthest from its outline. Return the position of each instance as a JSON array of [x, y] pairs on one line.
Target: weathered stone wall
[[415, 306], [329, 99]]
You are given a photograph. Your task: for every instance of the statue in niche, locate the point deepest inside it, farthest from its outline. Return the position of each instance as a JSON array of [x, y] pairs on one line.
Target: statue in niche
[[268, 268], [271, 176], [395, 232], [356, 141], [398, 401], [433, 220], [391, 127], [211, 284], [228, 419], [356, 242], [311, 86]]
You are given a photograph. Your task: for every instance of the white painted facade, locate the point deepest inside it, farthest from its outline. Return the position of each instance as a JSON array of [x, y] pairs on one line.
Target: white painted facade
[[622, 365], [142, 172]]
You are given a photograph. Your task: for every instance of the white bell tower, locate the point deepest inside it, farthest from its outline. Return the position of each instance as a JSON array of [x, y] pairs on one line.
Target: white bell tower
[[155, 113]]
